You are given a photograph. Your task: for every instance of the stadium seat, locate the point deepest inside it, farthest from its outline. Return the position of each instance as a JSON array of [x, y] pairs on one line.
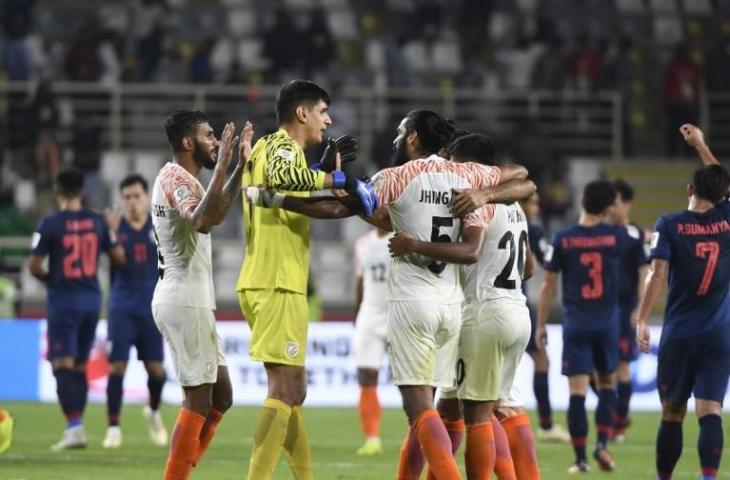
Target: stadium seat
[[114, 166], [698, 8], [24, 195], [501, 26], [417, 55], [447, 56], [299, 4], [375, 54], [241, 23], [630, 7], [342, 24], [344, 4], [664, 6], [667, 30], [221, 58], [527, 6], [249, 54]]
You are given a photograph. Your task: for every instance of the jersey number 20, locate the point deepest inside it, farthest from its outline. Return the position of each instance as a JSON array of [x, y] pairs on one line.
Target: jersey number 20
[[508, 241], [81, 259]]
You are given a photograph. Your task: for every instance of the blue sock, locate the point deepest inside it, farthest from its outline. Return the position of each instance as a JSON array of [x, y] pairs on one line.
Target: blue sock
[[82, 387], [114, 392], [604, 415], [544, 410], [668, 448], [709, 445], [68, 397], [623, 399], [155, 385], [578, 425]]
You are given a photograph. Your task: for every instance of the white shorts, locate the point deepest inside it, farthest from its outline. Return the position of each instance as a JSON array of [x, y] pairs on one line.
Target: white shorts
[[370, 339], [513, 399], [194, 343], [423, 340], [492, 341]]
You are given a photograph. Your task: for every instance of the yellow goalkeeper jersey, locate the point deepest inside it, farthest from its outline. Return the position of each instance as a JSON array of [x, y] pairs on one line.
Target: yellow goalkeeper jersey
[[277, 241]]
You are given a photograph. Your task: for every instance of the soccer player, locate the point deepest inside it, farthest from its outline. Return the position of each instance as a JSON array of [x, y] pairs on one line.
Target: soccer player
[[588, 255], [73, 239], [692, 250], [424, 309], [272, 285], [183, 214], [633, 271], [372, 262], [130, 311], [495, 331], [548, 430]]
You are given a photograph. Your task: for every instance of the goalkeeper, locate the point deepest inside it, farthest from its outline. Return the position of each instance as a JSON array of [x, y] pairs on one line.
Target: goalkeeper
[[272, 285]]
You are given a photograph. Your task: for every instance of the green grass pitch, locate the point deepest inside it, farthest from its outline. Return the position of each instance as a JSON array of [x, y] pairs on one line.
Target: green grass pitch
[[334, 436]]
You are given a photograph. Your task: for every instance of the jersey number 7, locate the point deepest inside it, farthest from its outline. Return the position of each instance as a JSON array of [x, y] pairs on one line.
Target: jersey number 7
[[710, 251]]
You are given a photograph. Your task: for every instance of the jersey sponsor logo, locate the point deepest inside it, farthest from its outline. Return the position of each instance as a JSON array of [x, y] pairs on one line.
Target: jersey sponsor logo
[[654, 239], [435, 197], [35, 240], [285, 154], [292, 349]]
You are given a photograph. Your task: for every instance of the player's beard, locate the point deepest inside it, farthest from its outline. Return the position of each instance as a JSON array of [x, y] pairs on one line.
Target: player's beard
[[203, 159], [400, 156]]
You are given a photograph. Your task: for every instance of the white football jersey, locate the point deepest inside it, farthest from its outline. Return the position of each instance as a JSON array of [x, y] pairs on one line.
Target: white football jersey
[[418, 195], [372, 263], [498, 273], [184, 254]]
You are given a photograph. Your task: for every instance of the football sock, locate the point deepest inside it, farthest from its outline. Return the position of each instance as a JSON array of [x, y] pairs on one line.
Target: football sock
[[268, 438], [207, 432], [369, 409], [522, 446], [411, 459], [296, 446], [155, 385], [544, 410], [504, 469], [668, 448], [434, 440], [624, 391], [82, 387], [578, 425], [480, 455], [709, 445], [66, 389], [184, 445], [455, 429], [604, 415], [114, 391]]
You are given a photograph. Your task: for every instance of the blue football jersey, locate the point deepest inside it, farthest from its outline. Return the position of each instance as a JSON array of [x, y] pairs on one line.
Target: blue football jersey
[[588, 259], [697, 247], [632, 258], [134, 282], [73, 242], [536, 237]]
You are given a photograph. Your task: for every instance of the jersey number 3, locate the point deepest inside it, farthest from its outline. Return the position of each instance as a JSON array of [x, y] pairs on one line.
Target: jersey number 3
[[594, 262], [710, 251]]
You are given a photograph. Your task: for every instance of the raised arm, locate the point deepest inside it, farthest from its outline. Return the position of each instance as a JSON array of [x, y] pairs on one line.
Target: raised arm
[[232, 188], [547, 293], [464, 252], [511, 191], [655, 281], [695, 138]]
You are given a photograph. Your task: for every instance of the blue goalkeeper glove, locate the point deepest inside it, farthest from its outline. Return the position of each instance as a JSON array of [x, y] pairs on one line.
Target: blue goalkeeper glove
[[365, 192]]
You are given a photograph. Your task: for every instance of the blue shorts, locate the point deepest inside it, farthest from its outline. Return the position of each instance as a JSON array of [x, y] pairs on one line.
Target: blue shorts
[[531, 346], [628, 351], [587, 350], [136, 328], [699, 365], [71, 332]]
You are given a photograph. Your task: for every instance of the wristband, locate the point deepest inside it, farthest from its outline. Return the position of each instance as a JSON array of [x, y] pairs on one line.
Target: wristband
[[277, 200], [338, 179]]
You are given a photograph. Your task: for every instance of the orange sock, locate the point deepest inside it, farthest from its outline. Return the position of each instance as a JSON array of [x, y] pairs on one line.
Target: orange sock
[[480, 451], [434, 440], [455, 429], [411, 459], [207, 433], [522, 446], [184, 445], [369, 408], [503, 466]]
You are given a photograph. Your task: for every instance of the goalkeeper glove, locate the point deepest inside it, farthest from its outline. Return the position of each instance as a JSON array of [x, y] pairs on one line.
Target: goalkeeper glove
[[346, 146]]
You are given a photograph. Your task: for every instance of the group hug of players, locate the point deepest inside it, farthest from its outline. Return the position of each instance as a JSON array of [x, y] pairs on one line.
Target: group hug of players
[[455, 317]]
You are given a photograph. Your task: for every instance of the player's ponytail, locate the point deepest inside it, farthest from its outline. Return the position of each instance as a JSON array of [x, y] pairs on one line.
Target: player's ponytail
[[434, 132]]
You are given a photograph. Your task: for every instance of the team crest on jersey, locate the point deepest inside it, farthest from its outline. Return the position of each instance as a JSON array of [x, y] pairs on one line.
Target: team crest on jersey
[[285, 154], [292, 349], [35, 240], [181, 193], [654, 239]]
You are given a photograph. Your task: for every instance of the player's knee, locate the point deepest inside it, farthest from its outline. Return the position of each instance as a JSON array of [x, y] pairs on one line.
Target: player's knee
[[673, 412], [117, 368], [707, 407], [449, 408]]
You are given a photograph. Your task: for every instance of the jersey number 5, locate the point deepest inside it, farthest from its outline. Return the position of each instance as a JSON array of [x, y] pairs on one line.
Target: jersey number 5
[[83, 249], [437, 236], [594, 262], [710, 251]]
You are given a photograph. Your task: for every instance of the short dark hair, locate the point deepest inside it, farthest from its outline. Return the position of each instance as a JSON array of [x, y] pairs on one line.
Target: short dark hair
[[598, 195], [711, 183], [434, 132], [70, 182], [295, 93], [624, 189], [475, 146], [182, 123], [133, 179]]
